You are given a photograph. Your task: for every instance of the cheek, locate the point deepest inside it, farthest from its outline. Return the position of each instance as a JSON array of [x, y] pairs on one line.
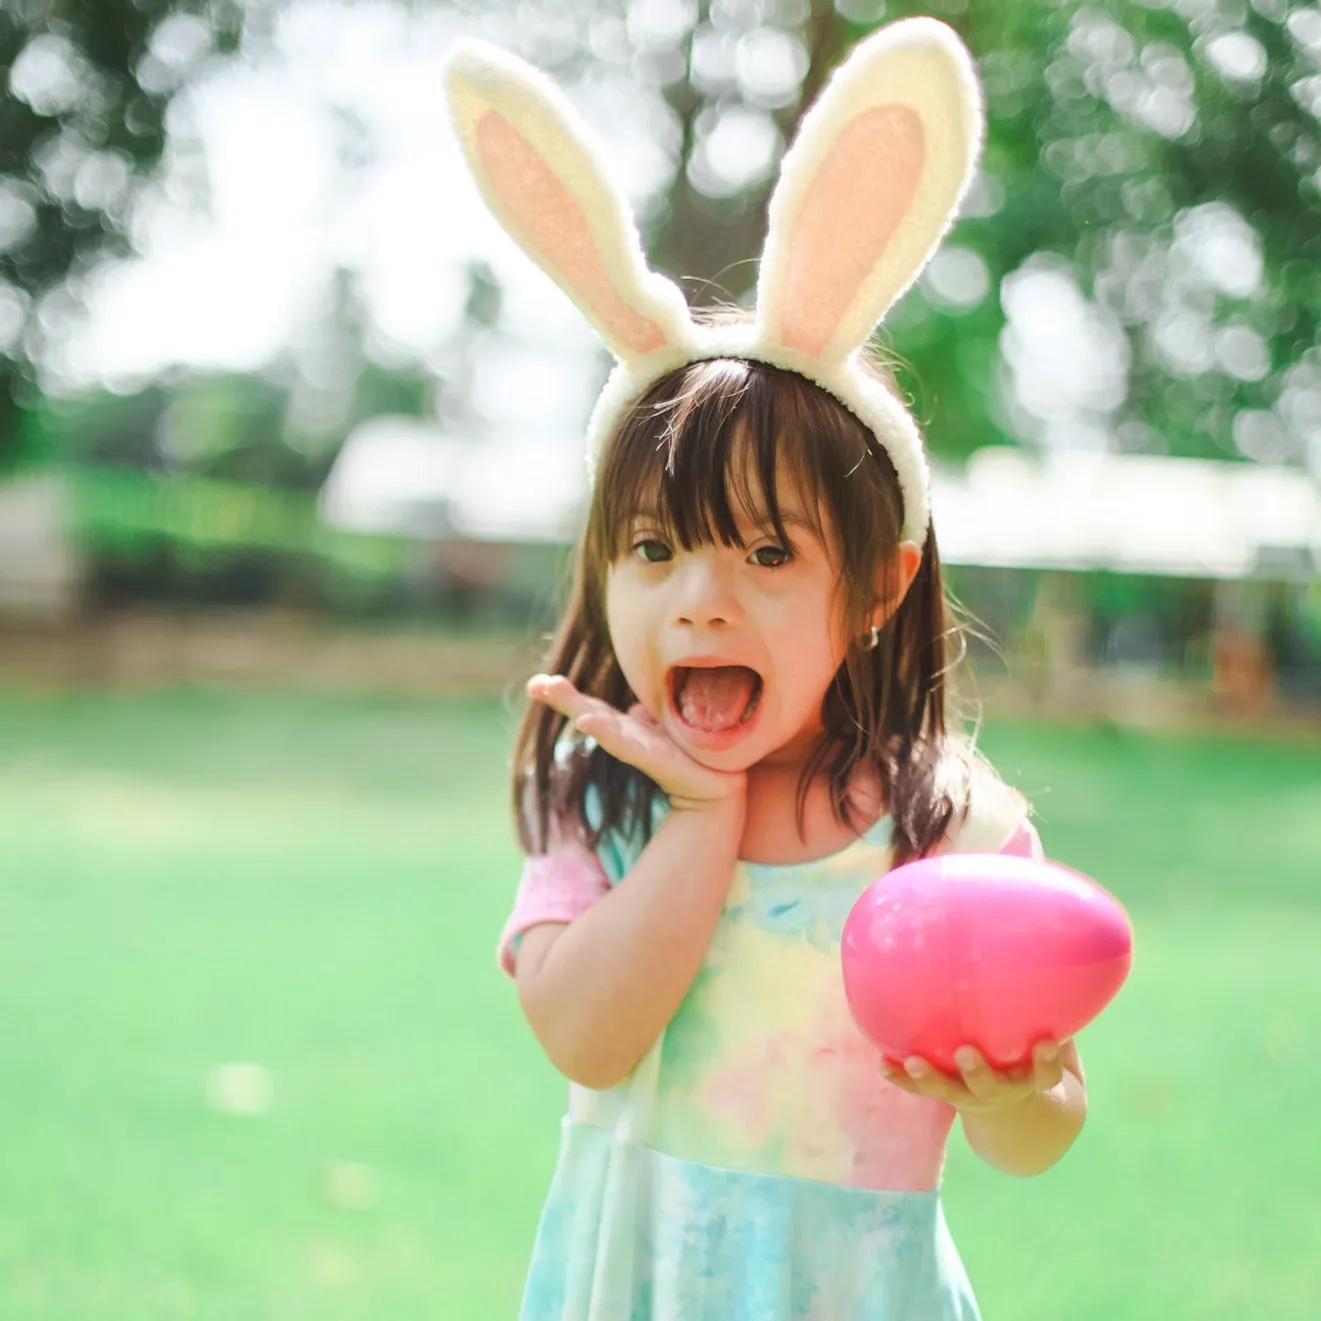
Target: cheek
[[617, 617], [811, 639], [815, 662], [627, 634]]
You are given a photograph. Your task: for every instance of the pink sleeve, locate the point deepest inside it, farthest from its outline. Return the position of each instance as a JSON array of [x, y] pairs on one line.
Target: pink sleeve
[[1024, 842], [555, 886]]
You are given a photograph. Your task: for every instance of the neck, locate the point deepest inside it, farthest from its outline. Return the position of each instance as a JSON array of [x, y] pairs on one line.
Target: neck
[[773, 832]]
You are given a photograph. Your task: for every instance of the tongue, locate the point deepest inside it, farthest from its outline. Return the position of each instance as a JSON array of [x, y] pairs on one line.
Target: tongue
[[716, 698]]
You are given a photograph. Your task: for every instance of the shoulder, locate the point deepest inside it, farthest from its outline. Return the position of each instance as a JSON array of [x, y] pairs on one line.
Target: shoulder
[[990, 815]]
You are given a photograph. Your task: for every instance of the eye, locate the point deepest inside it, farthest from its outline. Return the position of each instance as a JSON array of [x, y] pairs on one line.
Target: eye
[[651, 551], [771, 557]]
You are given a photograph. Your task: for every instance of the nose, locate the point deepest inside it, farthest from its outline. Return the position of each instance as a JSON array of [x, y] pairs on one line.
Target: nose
[[704, 595]]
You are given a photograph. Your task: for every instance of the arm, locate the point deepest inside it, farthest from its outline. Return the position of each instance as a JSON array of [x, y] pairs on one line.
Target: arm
[[1021, 1121], [598, 992], [1032, 1135]]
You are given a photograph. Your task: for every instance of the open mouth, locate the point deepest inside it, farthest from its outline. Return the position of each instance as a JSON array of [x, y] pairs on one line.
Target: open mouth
[[715, 698]]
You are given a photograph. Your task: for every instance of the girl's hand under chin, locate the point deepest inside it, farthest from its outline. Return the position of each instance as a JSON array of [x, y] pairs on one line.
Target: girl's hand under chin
[[637, 739]]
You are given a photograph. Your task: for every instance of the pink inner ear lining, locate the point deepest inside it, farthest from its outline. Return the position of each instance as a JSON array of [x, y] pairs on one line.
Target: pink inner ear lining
[[552, 225], [855, 202]]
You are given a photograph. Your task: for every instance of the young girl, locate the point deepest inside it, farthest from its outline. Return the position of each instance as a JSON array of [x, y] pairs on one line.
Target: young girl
[[743, 727]]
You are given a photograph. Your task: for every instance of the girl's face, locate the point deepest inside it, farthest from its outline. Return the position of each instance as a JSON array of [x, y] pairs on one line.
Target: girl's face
[[731, 648]]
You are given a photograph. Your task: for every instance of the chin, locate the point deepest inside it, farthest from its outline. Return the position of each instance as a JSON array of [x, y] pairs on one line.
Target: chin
[[732, 760], [733, 748]]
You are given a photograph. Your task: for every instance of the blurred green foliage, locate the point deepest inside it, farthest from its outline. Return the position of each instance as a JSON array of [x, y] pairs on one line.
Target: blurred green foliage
[[1109, 126], [1159, 157], [82, 128]]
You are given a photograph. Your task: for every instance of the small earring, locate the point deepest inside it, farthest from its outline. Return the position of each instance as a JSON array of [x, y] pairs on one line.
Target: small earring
[[875, 638]]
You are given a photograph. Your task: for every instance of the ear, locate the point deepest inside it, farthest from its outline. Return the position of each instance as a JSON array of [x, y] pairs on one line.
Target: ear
[[539, 169], [869, 187], [894, 580]]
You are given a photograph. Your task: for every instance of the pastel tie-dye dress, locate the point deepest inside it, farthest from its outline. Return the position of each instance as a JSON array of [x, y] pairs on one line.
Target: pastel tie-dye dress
[[756, 1166]]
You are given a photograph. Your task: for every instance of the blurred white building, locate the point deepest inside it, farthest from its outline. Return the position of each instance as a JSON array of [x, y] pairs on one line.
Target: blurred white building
[[398, 476], [1008, 508]]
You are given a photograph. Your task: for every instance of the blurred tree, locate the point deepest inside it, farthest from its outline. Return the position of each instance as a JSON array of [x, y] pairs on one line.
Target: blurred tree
[[336, 374], [83, 123], [1151, 165], [1150, 179], [1136, 268]]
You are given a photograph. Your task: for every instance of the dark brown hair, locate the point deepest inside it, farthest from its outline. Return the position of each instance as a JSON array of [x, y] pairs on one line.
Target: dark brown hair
[[696, 445]]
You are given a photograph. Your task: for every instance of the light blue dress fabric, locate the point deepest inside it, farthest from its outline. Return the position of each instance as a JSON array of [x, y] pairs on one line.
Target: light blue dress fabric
[[680, 1195]]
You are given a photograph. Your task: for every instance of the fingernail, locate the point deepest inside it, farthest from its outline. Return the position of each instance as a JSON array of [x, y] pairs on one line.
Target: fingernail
[[915, 1068], [1050, 1053], [965, 1059]]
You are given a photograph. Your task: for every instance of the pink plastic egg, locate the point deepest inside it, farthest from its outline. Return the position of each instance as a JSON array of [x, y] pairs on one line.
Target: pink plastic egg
[[990, 950]]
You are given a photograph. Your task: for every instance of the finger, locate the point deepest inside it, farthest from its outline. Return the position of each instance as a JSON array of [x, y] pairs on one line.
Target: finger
[[1022, 1073], [894, 1074], [645, 746], [894, 1071], [1047, 1065], [930, 1081], [559, 693], [554, 690], [643, 716], [982, 1081], [614, 731], [619, 734]]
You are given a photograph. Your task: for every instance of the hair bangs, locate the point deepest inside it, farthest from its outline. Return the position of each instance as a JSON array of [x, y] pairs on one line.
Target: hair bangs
[[713, 450]]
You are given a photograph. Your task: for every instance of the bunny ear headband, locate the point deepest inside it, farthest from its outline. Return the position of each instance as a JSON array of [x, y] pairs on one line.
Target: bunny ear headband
[[869, 187]]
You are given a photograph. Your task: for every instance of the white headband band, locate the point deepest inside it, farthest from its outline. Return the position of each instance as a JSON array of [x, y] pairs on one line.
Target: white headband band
[[865, 194]]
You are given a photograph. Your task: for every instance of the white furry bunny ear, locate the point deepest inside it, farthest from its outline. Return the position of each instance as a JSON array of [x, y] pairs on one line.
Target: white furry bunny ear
[[871, 183], [536, 164]]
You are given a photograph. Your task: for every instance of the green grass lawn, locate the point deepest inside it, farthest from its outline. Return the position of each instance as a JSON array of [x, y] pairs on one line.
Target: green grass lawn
[[315, 885]]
